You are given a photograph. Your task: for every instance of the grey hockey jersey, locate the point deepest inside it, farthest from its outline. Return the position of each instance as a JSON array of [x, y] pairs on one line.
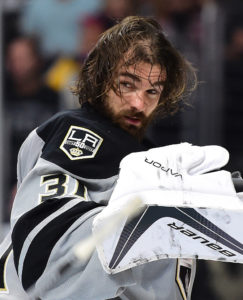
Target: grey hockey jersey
[[67, 169]]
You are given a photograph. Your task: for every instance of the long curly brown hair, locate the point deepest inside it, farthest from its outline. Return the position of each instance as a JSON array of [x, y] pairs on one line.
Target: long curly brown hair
[[135, 39]]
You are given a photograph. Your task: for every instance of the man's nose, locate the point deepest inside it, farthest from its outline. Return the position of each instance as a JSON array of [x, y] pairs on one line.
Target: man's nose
[[138, 101]]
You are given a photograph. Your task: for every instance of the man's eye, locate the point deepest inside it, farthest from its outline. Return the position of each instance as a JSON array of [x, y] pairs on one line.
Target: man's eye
[[153, 92], [126, 86]]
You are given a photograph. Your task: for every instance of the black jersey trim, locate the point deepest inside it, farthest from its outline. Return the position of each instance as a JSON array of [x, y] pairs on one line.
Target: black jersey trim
[[135, 228], [3, 261], [81, 159], [39, 251], [30, 220], [183, 277]]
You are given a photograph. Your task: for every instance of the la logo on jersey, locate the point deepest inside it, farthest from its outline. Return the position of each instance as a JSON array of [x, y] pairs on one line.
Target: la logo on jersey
[[80, 143]]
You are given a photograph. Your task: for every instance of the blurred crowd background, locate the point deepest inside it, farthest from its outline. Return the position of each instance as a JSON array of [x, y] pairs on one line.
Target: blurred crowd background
[[43, 44]]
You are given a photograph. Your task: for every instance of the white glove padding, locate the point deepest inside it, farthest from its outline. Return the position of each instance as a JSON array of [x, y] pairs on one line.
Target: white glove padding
[[177, 170], [172, 178], [197, 160]]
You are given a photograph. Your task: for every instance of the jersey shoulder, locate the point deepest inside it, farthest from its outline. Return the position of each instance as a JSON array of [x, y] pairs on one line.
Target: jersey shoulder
[[85, 143]]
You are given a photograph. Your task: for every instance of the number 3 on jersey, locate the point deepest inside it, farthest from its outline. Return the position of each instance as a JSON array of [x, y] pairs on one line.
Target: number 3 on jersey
[[58, 185]]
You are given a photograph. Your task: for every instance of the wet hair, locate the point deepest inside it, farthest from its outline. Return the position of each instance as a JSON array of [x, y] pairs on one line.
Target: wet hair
[[135, 39]]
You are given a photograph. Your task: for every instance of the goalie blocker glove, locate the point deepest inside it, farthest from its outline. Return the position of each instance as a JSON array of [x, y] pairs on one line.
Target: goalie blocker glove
[[192, 210]]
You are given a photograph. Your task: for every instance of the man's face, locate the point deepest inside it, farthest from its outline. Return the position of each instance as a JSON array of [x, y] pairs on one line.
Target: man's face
[[22, 62], [138, 89]]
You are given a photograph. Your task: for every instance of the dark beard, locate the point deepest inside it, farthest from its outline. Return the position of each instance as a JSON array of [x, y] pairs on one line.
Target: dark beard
[[137, 132]]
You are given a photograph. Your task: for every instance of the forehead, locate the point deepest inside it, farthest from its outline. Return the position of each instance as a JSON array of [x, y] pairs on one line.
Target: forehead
[[145, 71]]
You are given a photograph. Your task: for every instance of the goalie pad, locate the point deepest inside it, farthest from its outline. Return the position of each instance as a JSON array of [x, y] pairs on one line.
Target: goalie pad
[[186, 213]]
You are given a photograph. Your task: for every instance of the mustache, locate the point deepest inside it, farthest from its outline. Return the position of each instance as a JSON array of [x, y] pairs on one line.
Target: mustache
[[134, 114]]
